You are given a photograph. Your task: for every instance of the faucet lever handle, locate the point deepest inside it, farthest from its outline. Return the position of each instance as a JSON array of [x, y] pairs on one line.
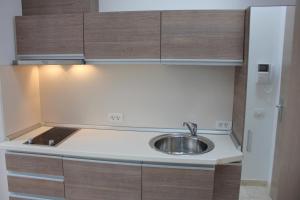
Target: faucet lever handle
[[195, 128], [192, 127]]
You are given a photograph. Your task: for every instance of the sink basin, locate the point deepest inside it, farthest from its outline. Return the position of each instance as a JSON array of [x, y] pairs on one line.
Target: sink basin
[[181, 144]]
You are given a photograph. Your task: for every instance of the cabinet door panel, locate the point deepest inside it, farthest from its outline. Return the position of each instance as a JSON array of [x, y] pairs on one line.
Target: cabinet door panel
[[128, 35], [33, 186], [50, 34], [48, 7], [227, 182], [202, 35], [90, 181], [26, 163], [177, 184]]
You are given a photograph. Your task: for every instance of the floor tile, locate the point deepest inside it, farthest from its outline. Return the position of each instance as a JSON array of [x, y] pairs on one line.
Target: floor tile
[[254, 193]]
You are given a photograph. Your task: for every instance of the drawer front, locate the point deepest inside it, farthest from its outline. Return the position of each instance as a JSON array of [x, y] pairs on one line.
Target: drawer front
[[94, 180], [177, 184], [34, 186], [29, 198], [26, 163]]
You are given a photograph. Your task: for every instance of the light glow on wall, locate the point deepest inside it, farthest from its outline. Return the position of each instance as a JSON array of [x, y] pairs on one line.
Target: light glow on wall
[[53, 70], [81, 71]]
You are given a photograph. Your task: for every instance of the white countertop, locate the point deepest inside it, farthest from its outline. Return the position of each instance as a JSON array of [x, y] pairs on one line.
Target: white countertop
[[125, 145]]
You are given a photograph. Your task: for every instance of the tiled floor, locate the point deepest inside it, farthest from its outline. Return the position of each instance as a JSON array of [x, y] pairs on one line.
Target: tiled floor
[[254, 193]]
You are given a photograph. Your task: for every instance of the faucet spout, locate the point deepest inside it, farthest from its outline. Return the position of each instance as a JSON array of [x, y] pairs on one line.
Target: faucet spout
[[192, 127]]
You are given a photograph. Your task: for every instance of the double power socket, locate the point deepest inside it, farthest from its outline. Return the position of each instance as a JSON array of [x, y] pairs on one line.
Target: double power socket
[[115, 118]]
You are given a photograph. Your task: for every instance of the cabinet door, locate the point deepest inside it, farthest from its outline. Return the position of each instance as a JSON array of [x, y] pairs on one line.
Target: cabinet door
[[227, 182], [48, 7], [127, 35], [177, 184], [202, 35], [102, 181], [49, 34]]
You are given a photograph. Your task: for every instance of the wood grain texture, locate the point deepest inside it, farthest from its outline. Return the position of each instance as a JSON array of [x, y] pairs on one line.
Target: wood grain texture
[[36, 187], [227, 182], [122, 35], [202, 35], [90, 181], [286, 63], [48, 7], [240, 89], [50, 34], [177, 184], [34, 164], [289, 141]]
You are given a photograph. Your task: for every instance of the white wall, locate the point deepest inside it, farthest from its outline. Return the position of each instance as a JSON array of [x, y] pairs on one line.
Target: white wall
[[3, 179], [8, 9], [148, 95], [21, 97], [129, 5], [266, 46]]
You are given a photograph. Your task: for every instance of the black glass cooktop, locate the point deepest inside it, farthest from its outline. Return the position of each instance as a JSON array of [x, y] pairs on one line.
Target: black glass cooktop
[[52, 137]]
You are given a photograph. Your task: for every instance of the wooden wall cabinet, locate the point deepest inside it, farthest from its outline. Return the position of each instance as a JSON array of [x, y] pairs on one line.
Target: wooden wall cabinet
[[212, 37], [49, 34], [202, 35], [86, 180], [48, 7], [123, 35], [177, 183]]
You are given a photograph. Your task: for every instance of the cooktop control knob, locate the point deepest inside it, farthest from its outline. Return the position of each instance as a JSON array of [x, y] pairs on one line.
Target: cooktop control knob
[[29, 141], [51, 142]]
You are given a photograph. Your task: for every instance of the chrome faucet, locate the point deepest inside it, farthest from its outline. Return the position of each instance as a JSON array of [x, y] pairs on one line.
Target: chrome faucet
[[192, 127]]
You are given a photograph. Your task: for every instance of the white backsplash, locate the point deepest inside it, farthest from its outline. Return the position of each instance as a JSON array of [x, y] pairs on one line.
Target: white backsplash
[[146, 95]]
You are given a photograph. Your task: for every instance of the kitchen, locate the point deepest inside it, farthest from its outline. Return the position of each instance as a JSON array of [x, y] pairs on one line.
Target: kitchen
[[128, 81]]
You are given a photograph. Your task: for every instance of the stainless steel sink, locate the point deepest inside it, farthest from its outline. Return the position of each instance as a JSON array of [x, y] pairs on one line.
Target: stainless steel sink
[[182, 144]]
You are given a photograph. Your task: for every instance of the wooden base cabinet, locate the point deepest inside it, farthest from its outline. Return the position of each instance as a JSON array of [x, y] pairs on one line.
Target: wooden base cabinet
[[34, 175], [91, 180], [163, 183], [227, 182], [51, 177]]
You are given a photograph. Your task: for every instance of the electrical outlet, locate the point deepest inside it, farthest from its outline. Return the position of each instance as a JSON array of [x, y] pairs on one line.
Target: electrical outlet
[[223, 125], [115, 117]]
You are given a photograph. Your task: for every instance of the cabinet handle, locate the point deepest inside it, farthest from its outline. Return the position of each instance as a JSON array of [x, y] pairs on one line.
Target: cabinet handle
[[36, 176], [249, 141], [32, 154], [174, 166], [113, 162], [31, 197]]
